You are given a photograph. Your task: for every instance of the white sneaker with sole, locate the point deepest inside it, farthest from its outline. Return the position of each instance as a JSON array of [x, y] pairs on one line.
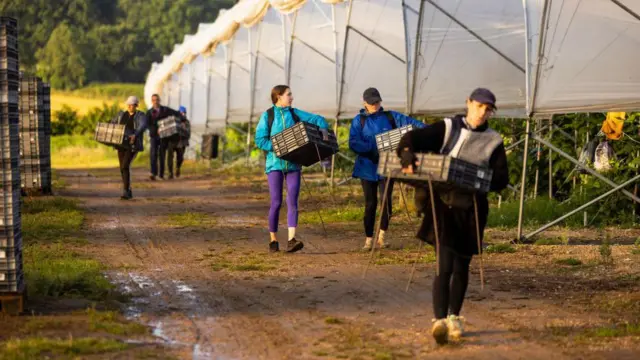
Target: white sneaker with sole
[[455, 326], [367, 244], [440, 331]]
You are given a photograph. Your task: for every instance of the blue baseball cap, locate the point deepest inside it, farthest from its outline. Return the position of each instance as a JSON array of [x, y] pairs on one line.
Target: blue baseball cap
[[183, 109]]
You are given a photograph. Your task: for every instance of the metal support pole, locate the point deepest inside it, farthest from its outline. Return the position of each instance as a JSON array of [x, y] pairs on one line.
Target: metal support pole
[[550, 160], [582, 207], [523, 181], [587, 169], [333, 157], [515, 144], [535, 187]]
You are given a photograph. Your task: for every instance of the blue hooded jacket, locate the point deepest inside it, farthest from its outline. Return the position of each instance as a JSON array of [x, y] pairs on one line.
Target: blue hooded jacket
[[282, 119], [363, 140]]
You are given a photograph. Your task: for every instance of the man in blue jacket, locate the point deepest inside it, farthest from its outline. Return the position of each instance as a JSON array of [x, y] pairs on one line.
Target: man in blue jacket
[[371, 121]]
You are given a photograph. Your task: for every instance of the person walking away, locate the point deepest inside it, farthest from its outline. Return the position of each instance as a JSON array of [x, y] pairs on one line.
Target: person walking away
[[467, 137], [371, 121], [178, 144], [276, 119], [135, 123], [155, 114]]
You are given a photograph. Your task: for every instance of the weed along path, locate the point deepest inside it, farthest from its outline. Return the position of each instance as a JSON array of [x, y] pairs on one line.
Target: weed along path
[[192, 255]]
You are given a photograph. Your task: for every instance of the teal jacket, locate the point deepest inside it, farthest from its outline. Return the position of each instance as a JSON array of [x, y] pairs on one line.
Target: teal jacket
[[282, 119]]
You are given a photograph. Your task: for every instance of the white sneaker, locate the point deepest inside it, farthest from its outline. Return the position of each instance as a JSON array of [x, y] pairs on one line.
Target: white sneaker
[[382, 244], [440, 331], [367, 244], [455, 326]]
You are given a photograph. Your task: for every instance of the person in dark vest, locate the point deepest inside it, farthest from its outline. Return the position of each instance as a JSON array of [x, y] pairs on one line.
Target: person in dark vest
[[135, 123], [156, 152], [178, 143], [467, 137], [276, 119], [371, 121]]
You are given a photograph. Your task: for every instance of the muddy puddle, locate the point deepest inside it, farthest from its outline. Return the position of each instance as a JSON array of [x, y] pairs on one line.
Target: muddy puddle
[[170, 308]]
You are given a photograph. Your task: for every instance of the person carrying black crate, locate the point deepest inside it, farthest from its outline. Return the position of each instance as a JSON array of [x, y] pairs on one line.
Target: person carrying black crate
[[135, 123], [371, 121], [157, 152], [276, 119], [461, 215], [178, 143]]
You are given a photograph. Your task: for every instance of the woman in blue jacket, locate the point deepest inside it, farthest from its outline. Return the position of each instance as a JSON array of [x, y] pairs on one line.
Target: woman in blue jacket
[[371, 121], [278, 170]]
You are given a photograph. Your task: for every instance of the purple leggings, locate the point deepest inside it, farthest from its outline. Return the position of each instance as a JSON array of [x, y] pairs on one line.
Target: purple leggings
[[275, 179]]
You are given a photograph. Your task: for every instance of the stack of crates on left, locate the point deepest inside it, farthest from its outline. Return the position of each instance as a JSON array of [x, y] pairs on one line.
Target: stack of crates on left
[[11, 274], [35, 148]]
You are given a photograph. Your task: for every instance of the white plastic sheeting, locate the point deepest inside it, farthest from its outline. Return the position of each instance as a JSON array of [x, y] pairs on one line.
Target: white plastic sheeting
[[425, 56]]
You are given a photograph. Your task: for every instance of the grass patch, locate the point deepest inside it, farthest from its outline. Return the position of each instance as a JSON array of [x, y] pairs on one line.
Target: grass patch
[[618, 330], [332, 215], [502, 248], [191, 219], [359, 342], [90, 320], [252, 262], [53, 270], [37, 347], [50, 219], [113, 323], [569, 261], [405, 257], [333, 320]]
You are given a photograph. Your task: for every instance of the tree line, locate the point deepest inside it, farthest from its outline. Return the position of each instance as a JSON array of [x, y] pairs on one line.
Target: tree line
[[74, 42]]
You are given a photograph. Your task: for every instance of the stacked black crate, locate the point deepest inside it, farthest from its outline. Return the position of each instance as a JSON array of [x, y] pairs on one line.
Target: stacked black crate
[[11, 275], [35, 163], [45, 144]]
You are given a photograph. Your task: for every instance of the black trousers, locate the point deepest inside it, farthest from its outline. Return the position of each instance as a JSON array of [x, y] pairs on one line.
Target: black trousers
[[164, 145], [450, 285], [371, 190], [125, 158], [171, 148]]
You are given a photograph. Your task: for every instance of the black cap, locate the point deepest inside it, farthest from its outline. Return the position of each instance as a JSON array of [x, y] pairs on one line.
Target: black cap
[[484, 96], [371, 96]]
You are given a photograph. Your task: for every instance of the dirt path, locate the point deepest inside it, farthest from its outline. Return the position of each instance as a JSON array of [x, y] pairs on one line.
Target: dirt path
[[214, 292]]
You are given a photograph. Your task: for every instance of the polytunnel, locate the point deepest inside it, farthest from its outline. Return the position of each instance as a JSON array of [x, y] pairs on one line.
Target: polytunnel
[[540, 57]]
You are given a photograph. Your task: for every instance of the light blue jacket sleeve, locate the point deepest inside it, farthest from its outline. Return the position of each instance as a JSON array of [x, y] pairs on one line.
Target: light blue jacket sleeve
[[359, 143], [312, 118], [263, 138], [404, 120]]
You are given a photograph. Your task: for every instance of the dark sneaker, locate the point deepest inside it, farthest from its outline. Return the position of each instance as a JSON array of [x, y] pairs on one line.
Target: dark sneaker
[[274, 246], [178, 173], [152, 178], [294, 245], [126, 195], [170, 176]]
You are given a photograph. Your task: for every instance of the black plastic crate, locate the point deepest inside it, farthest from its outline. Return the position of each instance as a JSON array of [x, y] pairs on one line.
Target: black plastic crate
[[13, 286], [11, 75], [303, 144], [8, 38], [9, 63], [9, 91], [10, 23], [170, 126], [388, 141], [12, 261], [11, 235], [11, 276], [438, 168], [110, 134]]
